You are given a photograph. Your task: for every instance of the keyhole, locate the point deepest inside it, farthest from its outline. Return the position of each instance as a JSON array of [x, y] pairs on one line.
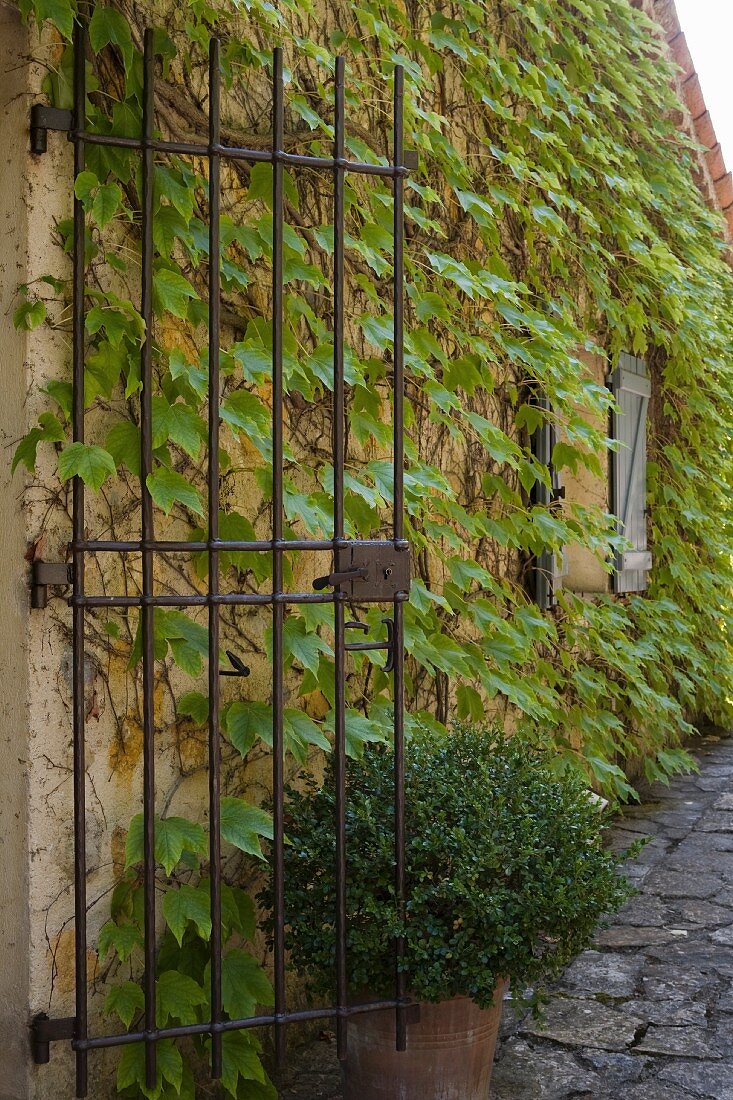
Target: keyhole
[[388, 572]]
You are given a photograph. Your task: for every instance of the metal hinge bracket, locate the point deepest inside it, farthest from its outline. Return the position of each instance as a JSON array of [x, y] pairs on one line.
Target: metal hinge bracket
[[45, 574], [45, 1031], [45, 118]]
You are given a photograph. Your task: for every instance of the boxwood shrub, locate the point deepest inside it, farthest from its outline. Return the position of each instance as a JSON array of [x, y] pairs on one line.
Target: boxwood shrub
[[507, 873]]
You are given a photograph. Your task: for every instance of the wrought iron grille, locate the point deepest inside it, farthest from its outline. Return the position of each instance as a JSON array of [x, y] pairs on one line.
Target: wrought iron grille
[[363, 570]]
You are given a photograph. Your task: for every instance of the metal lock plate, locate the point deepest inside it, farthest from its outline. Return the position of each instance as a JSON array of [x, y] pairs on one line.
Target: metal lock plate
[[387, 571]]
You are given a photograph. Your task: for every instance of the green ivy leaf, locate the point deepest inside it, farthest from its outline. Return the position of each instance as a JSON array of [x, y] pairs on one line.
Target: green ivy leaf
[[301, 731], [178, 997], [244, 986], [61, 392], [244, 722], [179, 367], [131, 1068], [302, 646], [362, 731], [168, 487], [106, 203], [30, 315], [59, 12], [108, 27], [244, 410], [238, 911], [241, 1062], [104, 366], [173, 837], [123, 443], [243, 824], [126, 1001], [179, 424], [92, 464], [49, 430], [172, 292], [124, 938], [85, 184], [185, 903], [196, 706]]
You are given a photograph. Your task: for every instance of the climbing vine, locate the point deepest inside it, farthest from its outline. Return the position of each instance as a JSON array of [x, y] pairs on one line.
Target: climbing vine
[[555, 211]]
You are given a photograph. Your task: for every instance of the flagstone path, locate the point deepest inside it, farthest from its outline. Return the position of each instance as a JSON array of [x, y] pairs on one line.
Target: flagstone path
[[647, 1013]]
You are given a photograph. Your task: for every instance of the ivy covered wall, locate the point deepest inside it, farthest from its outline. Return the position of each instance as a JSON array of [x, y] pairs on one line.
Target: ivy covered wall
[[554, 222]]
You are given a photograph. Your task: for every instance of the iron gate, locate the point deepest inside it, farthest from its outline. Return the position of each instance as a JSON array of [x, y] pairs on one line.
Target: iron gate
[[365, 571]]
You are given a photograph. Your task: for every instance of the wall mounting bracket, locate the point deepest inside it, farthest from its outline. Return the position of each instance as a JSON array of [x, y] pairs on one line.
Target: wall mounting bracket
[[45, 575], [45, 118], [45, 1031]]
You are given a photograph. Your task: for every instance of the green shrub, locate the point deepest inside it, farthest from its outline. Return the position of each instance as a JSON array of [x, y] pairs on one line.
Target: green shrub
[[507, 876]]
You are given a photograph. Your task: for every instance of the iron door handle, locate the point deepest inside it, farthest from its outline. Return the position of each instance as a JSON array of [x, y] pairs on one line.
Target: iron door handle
[[340, 578]]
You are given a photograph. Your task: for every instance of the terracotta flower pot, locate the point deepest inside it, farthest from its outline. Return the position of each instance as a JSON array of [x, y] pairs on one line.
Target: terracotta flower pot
[[449, 1053]]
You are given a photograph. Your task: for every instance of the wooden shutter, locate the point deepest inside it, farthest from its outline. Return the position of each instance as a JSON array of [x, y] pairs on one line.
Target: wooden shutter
[[551, 565], [631, 388]]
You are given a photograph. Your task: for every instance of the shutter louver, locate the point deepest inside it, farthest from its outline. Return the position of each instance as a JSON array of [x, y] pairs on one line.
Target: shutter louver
[[551, 565], [631, 388]]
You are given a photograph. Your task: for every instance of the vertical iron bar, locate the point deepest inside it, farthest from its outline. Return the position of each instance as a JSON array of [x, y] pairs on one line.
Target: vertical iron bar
[[213, 496], [278, 215], [338, 533], [78, 615], [148, 534], [398, 522]]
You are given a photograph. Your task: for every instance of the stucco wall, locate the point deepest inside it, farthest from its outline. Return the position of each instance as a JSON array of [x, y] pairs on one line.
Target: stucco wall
[[14, 717], [36, 898]]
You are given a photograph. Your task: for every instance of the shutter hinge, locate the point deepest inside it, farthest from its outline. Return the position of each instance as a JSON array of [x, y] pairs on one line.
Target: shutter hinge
[[45, 118], [45, 1031], [45, 575]]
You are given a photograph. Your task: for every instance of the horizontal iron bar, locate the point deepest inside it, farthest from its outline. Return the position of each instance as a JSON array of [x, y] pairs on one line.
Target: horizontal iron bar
[[233, 152], [162, 546], [280, 1020], [228, 598], [364, 647], [94, 546], [234, 599]]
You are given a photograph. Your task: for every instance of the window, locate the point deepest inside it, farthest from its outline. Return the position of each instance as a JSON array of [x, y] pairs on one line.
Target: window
[[550, 565], [631, 387]]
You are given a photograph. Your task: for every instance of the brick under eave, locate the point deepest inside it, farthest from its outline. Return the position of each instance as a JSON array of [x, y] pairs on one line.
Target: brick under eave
[[713, 178]]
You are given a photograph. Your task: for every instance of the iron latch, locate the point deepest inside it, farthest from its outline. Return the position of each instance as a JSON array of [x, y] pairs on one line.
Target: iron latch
[[45, 574], [370, 571], [366, 647], [45, 118], [334, 579], [238, 666], [45, 1031]]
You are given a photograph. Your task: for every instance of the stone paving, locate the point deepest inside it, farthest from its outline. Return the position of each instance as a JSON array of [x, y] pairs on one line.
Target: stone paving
[[647, 1013]]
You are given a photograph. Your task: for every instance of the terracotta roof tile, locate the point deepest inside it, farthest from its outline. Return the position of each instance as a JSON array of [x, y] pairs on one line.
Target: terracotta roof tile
[[724, 191], [682, 56], [714, 178], [716, 163], [693, 96], [705, 131]]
